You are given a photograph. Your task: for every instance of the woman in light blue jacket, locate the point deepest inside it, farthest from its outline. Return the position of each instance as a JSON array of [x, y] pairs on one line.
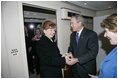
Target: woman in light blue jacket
[[108, 67]]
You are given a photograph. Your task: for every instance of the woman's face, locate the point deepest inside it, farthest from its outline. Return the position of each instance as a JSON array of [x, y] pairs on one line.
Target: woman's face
[[37, 32], [49, 33], [111, 36]]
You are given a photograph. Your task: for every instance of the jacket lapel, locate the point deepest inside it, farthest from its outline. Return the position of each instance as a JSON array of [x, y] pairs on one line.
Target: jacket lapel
[[81, 38]]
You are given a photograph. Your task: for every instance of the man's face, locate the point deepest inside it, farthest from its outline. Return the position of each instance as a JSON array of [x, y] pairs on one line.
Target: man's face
[[75, 25]]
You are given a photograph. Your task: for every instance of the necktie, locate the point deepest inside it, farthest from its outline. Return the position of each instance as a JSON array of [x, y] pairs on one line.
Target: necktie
[[77, 38]]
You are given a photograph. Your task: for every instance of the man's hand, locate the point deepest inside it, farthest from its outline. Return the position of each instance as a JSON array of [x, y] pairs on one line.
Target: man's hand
[[70, 60]]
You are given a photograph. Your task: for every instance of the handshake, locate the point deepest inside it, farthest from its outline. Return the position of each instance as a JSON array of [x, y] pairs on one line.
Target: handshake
[[70, 60]]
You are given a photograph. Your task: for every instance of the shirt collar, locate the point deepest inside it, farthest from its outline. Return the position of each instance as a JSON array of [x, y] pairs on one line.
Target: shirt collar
[[80, 31]]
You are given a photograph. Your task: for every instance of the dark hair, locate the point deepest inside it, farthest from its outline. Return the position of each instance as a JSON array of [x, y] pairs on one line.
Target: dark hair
[[110, 23]]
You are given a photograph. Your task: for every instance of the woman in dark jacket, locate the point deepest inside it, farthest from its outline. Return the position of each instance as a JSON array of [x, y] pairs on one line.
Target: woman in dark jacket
[[51, 61]]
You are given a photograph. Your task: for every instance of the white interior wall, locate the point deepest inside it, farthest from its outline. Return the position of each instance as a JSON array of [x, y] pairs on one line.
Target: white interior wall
[[4, 57], [14, 60], [98, 30], [106, 12], [38, 15]]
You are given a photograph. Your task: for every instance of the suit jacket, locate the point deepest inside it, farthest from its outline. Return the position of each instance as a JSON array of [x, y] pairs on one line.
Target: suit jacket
[[108, 67], [51, 61], [86, 53]]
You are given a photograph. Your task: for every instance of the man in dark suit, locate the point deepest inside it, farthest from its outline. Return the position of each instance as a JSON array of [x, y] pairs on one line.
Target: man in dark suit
[[83, 49]]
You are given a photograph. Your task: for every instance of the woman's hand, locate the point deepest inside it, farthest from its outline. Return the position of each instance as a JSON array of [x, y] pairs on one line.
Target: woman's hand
[[93, 76]]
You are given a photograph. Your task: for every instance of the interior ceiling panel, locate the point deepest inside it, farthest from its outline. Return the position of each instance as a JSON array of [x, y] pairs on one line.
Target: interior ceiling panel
[[35, 9], [95, 5]]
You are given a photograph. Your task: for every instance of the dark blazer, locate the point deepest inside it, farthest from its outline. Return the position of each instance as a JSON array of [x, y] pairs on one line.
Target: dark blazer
[[51, 61], [86, 53]]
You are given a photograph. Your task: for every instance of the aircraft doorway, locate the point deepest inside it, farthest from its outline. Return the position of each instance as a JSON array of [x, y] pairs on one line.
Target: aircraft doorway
[[33, 19]]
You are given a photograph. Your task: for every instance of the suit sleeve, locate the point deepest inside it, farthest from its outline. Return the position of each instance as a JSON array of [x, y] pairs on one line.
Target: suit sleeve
[[92, 49], [56, 60], [50, 56], [70, 48]]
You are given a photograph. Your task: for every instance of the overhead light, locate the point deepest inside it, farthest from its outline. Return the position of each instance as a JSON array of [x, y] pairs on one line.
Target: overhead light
[[85, 3], [109, 6], [31, 26]]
